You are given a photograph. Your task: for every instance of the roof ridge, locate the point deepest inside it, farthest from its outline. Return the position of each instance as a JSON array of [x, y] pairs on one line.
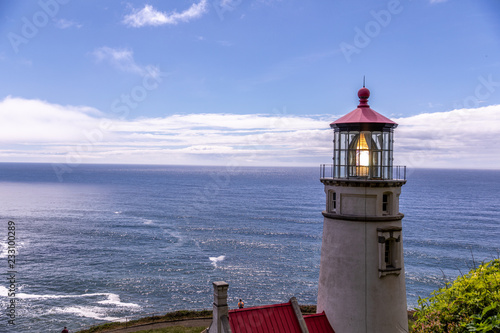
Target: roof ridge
[[262, 307]]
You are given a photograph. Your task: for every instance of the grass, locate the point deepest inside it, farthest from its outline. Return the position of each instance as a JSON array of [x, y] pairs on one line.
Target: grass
[[175, 329], [171, 316]]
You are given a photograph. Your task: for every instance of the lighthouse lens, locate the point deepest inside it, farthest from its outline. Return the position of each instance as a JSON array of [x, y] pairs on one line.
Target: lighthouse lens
[[362, 156]]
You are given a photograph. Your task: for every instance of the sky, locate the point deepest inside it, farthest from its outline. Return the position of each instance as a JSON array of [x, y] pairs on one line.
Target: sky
[[246, 82]]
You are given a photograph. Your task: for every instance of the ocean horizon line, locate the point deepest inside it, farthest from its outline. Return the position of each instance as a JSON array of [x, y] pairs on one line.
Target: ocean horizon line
[[234, 166]]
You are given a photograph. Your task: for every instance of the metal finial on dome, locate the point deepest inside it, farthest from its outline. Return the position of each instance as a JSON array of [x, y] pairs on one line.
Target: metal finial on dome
[[363, 81]]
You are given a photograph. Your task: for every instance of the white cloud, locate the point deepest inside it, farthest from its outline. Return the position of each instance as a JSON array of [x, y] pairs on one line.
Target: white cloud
[[66, 24], [123, 60], [30, 122], [458, 138], [150, 16], [38, 131]]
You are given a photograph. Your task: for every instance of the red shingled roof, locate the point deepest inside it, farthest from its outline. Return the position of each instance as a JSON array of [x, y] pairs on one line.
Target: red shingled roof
[[276, 318], [318, 323], [363, 115]]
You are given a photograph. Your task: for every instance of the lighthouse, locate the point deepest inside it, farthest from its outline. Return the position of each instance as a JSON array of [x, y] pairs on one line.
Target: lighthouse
[[361, 281]]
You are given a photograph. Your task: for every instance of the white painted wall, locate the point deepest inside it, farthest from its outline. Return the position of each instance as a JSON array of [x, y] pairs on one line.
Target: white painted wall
[[353, 296]]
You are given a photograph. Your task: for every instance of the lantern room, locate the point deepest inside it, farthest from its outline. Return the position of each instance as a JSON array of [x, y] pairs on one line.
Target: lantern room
[[363, 143]]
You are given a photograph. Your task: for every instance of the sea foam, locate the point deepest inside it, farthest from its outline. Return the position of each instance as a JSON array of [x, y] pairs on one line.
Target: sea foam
[[112, 299], [215, 260]]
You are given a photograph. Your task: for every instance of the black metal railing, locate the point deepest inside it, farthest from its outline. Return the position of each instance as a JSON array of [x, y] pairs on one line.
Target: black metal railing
[[331, 171]]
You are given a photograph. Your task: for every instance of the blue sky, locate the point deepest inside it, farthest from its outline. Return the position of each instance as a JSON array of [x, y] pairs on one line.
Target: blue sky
[[246, 82]]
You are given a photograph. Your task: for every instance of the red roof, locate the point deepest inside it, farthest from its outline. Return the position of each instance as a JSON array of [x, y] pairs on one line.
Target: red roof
[[363, 114], [276, 318], [318, 323]]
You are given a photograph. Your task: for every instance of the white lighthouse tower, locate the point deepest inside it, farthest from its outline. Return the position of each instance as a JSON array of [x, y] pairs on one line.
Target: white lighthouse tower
[[361, 280]]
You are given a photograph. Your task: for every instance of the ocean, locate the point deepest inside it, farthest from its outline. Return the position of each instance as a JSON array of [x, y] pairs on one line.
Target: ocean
[[105, 242]]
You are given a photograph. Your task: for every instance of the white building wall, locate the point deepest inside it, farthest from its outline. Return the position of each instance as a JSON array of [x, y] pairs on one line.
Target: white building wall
[[351, 291]]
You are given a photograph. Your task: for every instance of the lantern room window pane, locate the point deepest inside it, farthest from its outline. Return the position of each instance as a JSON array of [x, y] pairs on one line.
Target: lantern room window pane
[[385, 158], [376, 164], [376, 158], [377, 140], [343, 158], [366, 137], [343, 172], [353, 137], [386, 140], [343, 140]]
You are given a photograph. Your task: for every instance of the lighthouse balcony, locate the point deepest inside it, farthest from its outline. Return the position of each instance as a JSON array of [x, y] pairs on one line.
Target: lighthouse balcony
[[336, 171]]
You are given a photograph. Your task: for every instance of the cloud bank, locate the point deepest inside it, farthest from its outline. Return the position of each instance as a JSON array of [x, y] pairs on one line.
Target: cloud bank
[[38, 131], [150, 16]]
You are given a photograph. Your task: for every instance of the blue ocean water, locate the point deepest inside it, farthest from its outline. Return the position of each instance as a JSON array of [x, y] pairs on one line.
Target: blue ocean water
[[110, 241]]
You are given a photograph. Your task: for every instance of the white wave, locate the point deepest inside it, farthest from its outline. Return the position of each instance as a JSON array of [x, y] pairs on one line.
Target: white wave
[[4, 249], [93, 312], [118, 212], [146, 221], [215, 260], [112, 299], [179, 237], [115, 300]]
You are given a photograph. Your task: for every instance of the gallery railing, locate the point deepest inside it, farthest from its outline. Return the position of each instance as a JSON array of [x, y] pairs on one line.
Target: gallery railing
[[330, 171]]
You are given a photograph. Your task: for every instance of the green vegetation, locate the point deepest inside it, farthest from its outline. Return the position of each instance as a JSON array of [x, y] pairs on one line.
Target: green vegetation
[[171, 316], [471, 303], [308, 309], [175, 329]]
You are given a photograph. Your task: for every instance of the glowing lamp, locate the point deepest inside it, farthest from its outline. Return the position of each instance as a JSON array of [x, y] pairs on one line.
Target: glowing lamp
[[363, 142]]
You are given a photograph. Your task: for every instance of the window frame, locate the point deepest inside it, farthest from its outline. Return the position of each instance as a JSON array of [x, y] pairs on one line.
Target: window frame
[[390, 254], [387, 201], [332, 201]]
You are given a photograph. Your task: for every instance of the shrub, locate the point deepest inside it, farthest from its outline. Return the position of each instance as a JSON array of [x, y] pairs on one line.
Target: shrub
[[471, 303]]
